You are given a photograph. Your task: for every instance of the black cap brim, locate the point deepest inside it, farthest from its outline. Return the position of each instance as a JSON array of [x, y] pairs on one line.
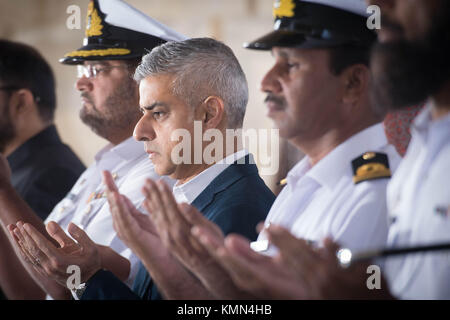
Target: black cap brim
[[291, 39], [97, 52]]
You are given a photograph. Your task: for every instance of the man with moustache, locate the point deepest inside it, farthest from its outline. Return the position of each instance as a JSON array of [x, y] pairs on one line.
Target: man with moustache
[[43, 169], [117, 35], [318, 96], [414, 40], [410, 65], [182, 85]]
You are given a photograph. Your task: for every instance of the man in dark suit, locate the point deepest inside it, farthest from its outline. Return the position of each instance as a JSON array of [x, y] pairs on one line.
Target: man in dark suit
[[43, 169], [193, 89], [236, 201]]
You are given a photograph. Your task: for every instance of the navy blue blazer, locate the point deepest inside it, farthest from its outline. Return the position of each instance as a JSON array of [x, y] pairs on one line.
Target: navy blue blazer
[[236, 200]]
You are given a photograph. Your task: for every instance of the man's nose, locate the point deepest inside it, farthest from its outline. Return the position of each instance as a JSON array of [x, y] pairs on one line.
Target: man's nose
[[270, 82], [143, 131], [84, 84]]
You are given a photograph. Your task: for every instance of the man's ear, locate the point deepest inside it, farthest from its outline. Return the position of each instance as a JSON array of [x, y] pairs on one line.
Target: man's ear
[[214, 112], [21, 101], [356, 80]]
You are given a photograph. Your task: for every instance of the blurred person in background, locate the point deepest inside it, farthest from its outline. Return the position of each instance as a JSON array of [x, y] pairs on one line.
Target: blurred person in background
[[410, 66], [43, 168], [117, 35]]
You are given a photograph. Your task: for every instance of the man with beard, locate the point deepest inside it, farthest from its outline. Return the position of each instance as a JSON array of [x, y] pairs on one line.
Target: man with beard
[[43, 169], [318, 96], [192, 86], [117, 35], [410, 65]]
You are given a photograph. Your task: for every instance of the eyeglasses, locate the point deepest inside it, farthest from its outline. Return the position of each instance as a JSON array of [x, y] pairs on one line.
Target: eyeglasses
[[91, 71]]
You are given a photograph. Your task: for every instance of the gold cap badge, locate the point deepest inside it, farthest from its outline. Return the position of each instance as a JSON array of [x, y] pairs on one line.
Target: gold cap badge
[[283, 8], [93, 22]]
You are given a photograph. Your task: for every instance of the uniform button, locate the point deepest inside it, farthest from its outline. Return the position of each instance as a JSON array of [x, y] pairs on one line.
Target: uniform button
[[369, 155], [88, 209]]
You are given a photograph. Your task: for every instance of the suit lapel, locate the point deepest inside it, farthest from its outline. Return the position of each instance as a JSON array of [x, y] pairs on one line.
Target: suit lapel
[[230, 175]]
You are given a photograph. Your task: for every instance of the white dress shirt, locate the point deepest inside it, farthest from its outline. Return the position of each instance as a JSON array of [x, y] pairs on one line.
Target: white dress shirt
[[86, 204], [189, 191], [419, 204], [323, 200]]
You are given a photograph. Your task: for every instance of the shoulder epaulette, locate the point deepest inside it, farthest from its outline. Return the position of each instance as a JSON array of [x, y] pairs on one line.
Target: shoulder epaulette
[[369, 166]]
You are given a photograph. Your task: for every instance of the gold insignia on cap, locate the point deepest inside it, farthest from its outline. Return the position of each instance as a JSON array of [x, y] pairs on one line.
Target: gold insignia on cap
[[93, 22], [99, 52], [369, 166], [283, 8]]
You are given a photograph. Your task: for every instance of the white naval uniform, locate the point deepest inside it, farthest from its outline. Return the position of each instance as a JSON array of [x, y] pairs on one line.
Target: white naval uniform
[[419, 203], [130, 166], [323, 200]]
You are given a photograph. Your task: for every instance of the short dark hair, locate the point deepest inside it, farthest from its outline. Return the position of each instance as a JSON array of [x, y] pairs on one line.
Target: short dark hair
[[344, 56], [22, 66]]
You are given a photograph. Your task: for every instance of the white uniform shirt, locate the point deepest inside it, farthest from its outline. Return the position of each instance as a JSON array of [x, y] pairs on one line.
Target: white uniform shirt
[[419, 204], [86, 205], [323, 200]]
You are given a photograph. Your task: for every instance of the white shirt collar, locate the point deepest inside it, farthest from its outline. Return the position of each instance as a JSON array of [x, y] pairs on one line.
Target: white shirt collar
[[429, 130], [424, 122], [126, 150], [329, 170], [189, 191]]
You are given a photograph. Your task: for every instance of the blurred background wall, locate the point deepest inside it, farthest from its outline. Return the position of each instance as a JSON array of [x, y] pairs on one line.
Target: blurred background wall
[[42, 24]]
